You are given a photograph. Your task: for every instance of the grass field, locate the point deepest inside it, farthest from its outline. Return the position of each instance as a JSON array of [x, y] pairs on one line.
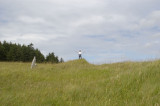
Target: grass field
[[78, 83]]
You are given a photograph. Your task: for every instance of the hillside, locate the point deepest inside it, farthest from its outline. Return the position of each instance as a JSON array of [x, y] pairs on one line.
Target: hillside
[[78, 83]]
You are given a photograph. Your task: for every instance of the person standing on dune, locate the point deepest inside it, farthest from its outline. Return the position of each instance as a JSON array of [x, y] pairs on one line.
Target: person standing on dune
[[79, 54]]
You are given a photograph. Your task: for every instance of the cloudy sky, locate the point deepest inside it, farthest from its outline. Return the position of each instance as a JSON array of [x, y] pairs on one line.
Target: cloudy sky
[[107, 30]]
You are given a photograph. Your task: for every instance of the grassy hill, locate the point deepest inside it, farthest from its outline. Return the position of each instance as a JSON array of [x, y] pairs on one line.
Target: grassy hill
[[78, 83]]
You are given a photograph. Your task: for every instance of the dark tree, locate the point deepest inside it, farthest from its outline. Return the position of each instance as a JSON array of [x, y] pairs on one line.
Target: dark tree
[[6, 49], [39, 55], [52, 58], [16, 52], [2, 52], [61, 60]]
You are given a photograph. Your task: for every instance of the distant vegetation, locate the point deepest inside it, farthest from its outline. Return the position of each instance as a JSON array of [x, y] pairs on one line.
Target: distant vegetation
[[78, 83], [17, 52]]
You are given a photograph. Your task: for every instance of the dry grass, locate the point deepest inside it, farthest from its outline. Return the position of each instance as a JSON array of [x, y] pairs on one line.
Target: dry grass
[[80, 83]]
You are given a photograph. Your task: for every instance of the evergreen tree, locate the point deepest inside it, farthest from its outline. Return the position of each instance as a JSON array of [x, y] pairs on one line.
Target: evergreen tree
[[25, 54], [11, 55], [61, 60], [6, 49], [52, 58], [2, 52], [31, 52], [39, 55], [19, 52], [16, 52]]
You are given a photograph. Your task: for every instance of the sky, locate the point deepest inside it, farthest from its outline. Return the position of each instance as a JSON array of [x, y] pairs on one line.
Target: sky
[[106, 30]]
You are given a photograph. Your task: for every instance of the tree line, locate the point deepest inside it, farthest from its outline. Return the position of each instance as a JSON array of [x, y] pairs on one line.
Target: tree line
[[25, 53]]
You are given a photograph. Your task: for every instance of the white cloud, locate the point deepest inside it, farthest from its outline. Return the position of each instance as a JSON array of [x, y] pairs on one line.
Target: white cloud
[[104, 28], [31, 20], [151, 21]]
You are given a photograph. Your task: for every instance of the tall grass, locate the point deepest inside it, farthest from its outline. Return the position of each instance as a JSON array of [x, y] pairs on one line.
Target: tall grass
[[78, 83]]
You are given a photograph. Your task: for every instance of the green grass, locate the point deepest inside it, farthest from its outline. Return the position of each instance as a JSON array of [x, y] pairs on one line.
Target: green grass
[[78, 83]]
